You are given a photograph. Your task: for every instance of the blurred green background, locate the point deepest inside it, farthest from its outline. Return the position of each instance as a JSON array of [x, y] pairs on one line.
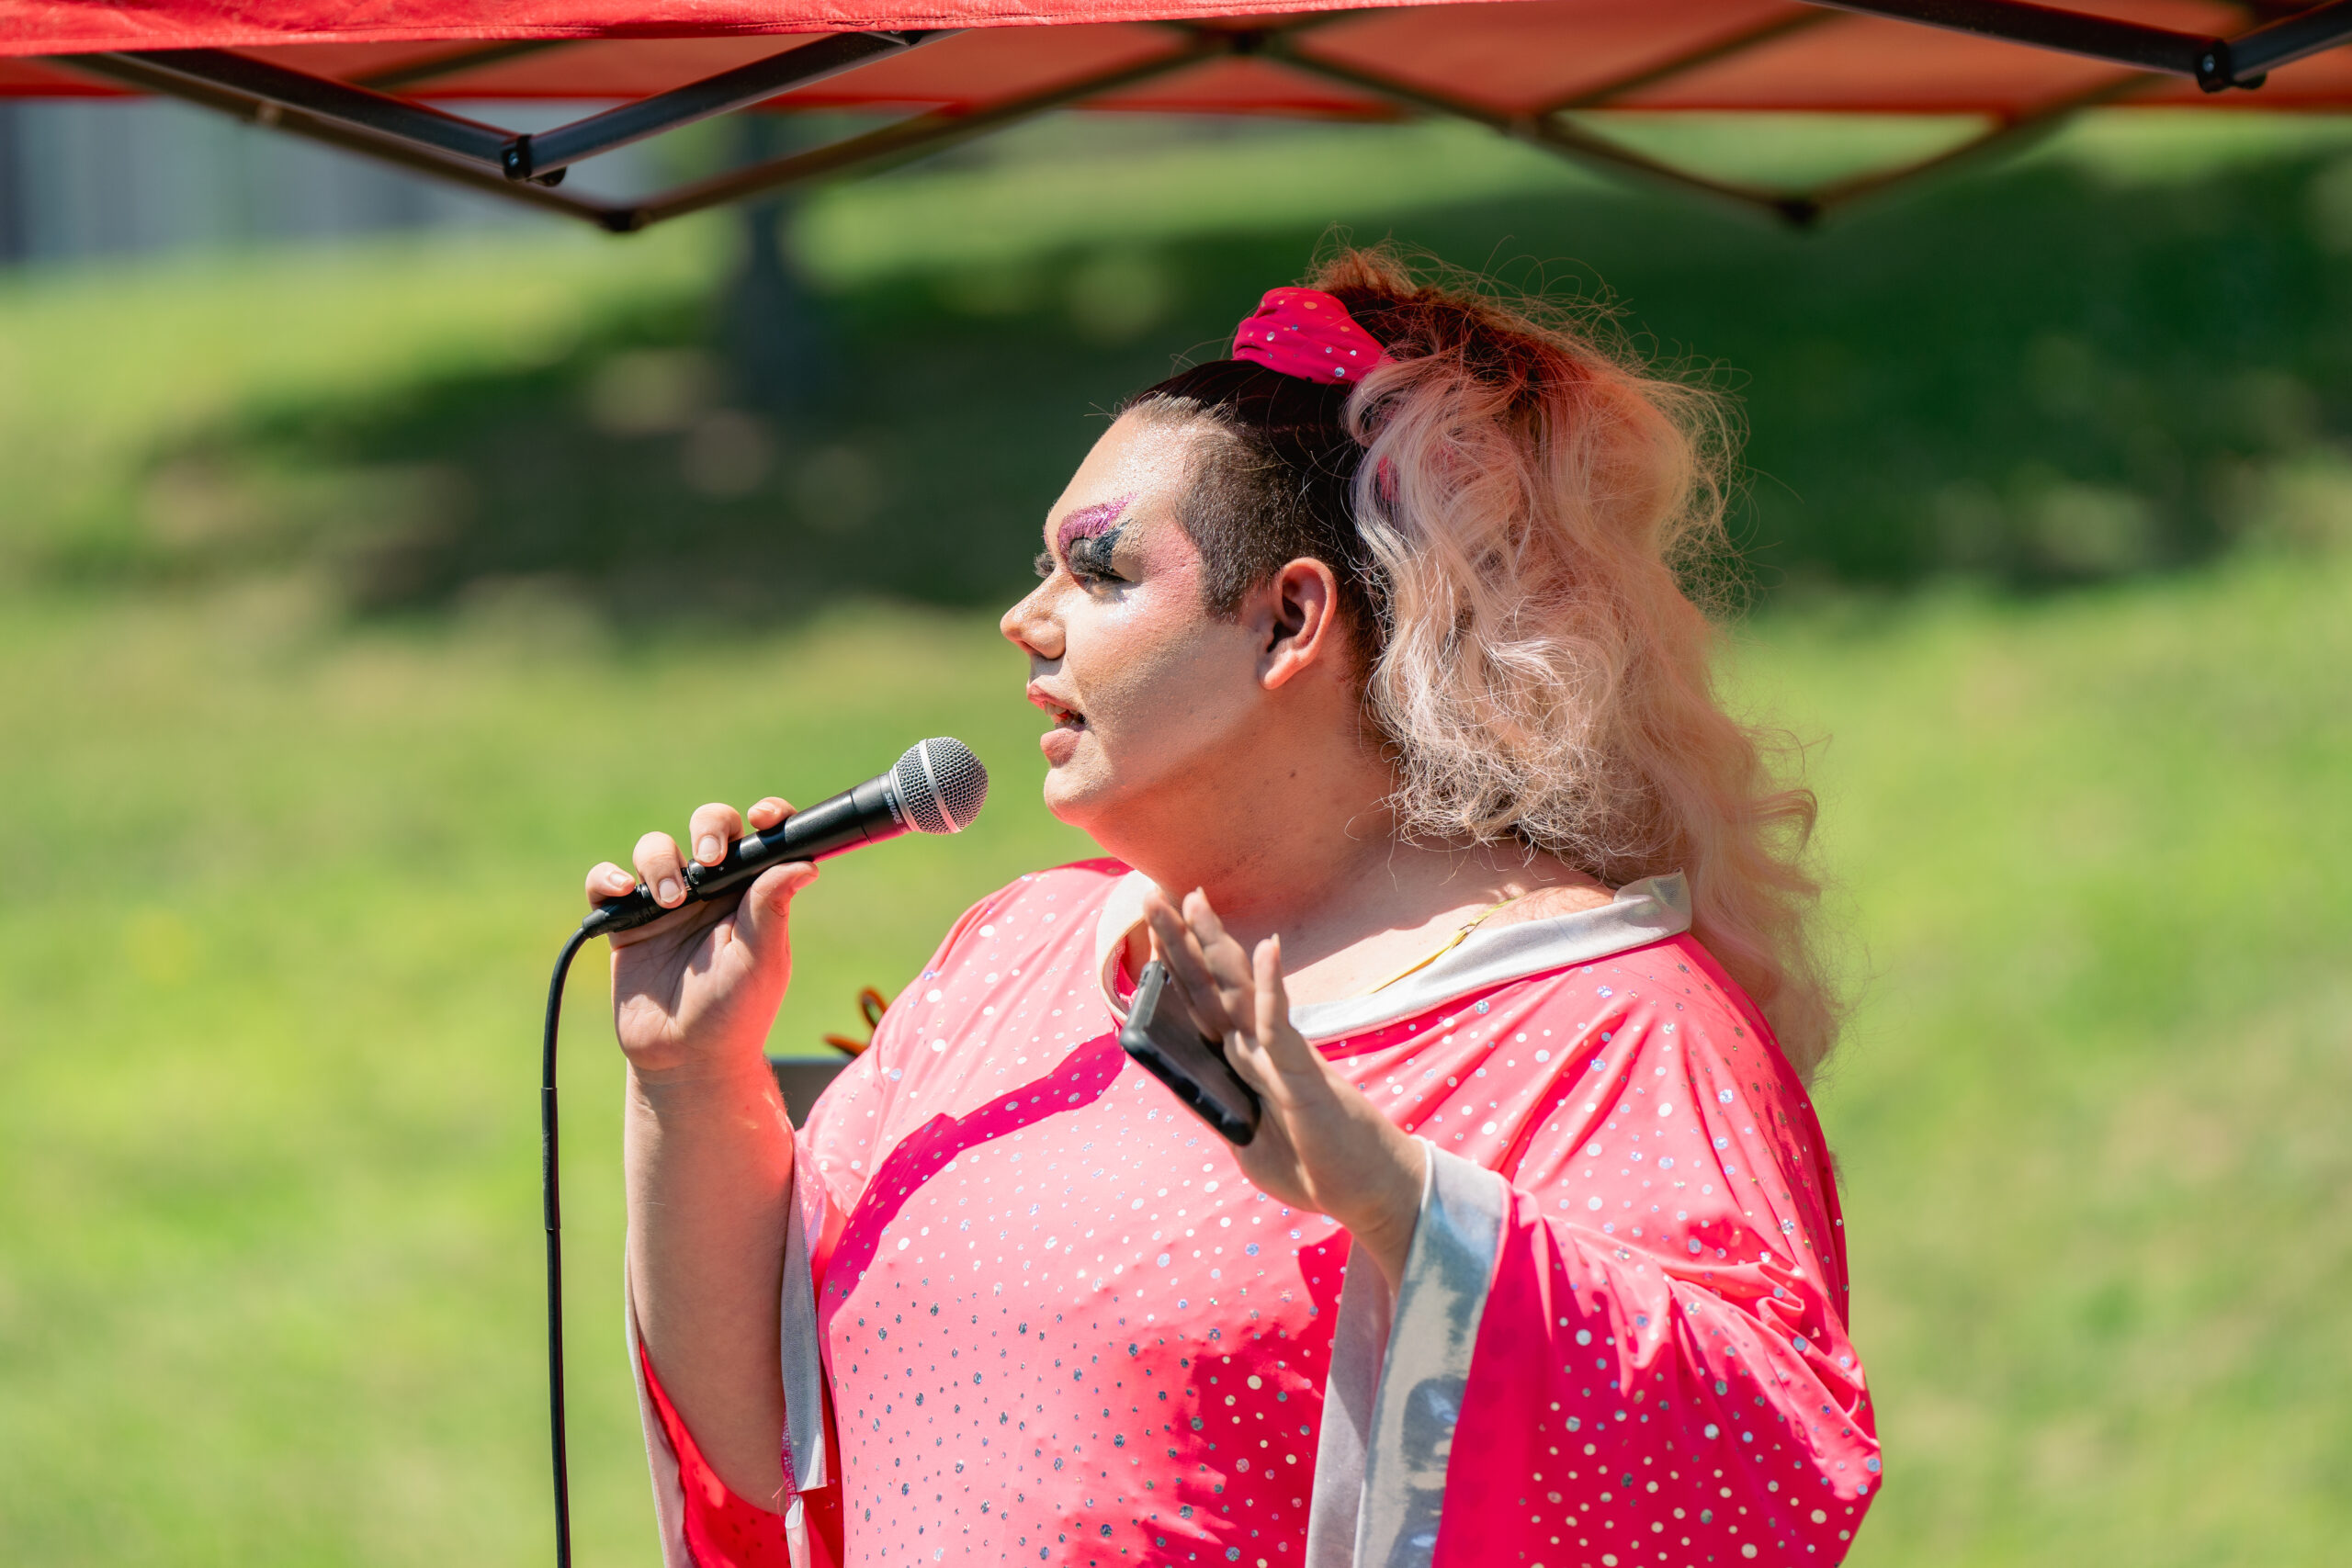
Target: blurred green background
[[353, 598]]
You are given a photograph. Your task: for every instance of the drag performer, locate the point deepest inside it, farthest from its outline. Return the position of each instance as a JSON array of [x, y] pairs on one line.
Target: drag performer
[[1373, 668]]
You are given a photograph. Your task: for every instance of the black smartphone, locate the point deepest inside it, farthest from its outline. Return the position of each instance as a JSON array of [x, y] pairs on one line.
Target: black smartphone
[[1162, 1035]]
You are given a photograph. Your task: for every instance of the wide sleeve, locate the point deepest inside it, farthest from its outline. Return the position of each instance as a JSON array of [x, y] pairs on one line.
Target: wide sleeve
[[702, 1524], [1629, 1347], [711, 1526]]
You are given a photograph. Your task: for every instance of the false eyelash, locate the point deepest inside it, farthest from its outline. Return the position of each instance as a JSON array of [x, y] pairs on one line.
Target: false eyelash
[[1045, 564], [1089, 555]]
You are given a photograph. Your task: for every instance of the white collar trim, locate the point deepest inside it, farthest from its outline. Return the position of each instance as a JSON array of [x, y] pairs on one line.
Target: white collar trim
[[1643, 912]]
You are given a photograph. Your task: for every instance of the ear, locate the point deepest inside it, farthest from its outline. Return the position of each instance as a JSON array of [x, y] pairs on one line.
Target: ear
[[1295, 620]]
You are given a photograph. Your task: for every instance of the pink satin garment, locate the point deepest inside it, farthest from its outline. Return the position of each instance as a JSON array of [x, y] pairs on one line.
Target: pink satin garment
[[1059, 1327]]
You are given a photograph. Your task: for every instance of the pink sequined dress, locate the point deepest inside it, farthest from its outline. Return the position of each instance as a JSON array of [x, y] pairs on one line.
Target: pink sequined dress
[[1033, 1313]]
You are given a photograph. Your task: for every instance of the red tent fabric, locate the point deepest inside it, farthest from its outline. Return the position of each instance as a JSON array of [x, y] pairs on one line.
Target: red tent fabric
[[1519, 66], [1515, 57]]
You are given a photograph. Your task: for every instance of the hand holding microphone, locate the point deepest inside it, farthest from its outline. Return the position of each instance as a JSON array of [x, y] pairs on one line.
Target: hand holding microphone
[[938, 787], [700, 958], [701, 953]]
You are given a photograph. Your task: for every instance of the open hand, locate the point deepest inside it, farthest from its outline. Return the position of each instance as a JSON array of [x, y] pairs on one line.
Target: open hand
[[1321, 1144]]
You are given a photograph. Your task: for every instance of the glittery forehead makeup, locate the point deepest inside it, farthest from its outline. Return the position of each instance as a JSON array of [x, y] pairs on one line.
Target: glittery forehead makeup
[[1089, 521]]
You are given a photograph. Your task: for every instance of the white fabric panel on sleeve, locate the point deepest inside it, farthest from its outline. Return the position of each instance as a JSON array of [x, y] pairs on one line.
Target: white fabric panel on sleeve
[[1359, 1342], [804, 1405], [1398, 1376], [804, 1368]]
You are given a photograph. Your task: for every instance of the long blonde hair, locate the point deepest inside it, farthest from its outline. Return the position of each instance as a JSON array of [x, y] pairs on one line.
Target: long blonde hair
[[1541, 507]]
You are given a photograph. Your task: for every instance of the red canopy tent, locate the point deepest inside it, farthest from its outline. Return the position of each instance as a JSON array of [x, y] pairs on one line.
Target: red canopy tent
[[379, 79]]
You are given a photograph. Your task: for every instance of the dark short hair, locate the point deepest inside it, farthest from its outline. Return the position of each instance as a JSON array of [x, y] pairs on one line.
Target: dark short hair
[[1271, 485]]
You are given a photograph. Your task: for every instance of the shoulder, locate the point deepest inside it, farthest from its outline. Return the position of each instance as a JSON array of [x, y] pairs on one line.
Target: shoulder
[[1085, 883], [1659, 1013], [1065, 896], [1664, 1048], [1687, 1035], [1671, 995]]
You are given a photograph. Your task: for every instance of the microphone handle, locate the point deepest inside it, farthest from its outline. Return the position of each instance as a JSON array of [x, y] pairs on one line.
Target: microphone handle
[[866, 815]]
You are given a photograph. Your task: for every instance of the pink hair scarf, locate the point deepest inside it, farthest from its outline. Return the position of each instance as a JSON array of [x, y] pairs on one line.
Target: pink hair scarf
[[1307, 333]]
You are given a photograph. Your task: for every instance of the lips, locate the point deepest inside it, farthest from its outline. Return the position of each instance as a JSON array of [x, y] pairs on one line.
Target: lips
[[1063, 715]]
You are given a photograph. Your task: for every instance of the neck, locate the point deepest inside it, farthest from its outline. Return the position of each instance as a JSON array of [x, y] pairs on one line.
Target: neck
[[1310, 854], [1290, 874], [1271, 853]]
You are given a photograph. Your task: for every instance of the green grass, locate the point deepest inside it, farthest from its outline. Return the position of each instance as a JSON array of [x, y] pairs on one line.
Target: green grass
[[284, 893], [2090, 1118]]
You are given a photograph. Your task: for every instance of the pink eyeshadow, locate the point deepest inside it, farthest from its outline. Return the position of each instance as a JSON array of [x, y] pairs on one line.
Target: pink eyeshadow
[[1088, 521]]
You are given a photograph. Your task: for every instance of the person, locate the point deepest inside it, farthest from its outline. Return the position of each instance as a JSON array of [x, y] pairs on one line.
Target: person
[[1375, 666]]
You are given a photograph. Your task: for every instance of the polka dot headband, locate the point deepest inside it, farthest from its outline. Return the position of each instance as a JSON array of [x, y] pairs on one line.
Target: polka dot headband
[[1307, 333]]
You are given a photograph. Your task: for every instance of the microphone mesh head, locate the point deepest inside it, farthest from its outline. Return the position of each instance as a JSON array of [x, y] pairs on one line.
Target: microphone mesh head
[[941, 785]]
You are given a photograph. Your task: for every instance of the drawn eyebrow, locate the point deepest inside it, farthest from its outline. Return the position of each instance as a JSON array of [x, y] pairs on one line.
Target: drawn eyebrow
[[1088, 521]]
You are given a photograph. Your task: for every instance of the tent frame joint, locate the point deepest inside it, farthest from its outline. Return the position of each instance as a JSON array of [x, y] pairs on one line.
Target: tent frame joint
[[368, 116]]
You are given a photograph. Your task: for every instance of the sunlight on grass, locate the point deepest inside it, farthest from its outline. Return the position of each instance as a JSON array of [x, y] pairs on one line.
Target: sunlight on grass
[[2140, 146], [101, 366], [2090, 1116], [1019, 208], [1783, 151]]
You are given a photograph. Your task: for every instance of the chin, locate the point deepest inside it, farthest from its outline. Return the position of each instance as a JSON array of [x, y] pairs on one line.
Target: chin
[[1067, 795], [1079, 796]]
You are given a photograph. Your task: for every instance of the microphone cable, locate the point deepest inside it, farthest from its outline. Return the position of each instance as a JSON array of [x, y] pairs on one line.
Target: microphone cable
[[551, 1214], [937, 787]]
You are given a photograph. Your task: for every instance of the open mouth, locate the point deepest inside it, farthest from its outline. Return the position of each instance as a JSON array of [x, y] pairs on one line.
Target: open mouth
[[1063, 717]]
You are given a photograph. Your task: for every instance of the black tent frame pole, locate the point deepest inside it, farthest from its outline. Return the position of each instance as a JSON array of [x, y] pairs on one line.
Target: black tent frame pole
[[1537, 129], [340, 134], [908, 139], [2007, 137], [543, 152], [542, 155], [1706, 55], [364, 116], [483, 157], [926, 133], [356, 109], [2255, 54], [2215, 64]]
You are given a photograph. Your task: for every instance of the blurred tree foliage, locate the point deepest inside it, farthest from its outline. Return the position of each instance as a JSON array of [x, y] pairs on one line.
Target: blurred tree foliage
[[2036, 376]]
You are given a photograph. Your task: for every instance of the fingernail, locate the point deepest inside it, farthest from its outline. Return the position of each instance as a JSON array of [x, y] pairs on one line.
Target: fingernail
[[620, 882], [707, 848], [669, 892]]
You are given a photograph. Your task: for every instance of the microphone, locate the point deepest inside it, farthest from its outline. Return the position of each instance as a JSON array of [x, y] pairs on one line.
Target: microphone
[[937, 787]]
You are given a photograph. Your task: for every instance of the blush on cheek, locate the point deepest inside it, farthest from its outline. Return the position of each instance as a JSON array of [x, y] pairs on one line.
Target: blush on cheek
[[1169, 556], [1155, 651]]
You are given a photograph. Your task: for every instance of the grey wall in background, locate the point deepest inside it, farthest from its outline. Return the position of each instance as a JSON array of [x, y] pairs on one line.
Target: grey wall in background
[[12, 235], [112, 177]]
